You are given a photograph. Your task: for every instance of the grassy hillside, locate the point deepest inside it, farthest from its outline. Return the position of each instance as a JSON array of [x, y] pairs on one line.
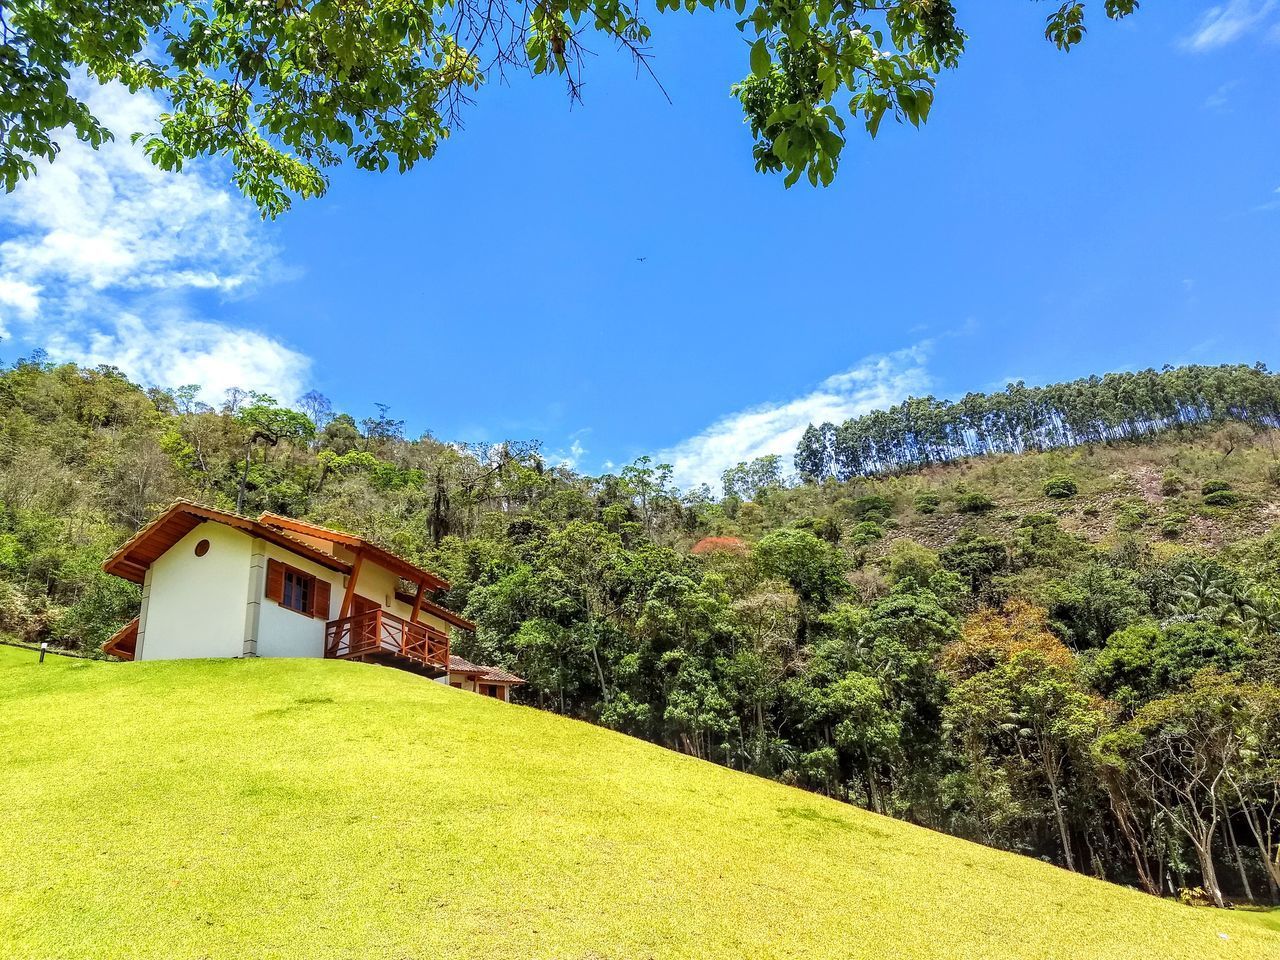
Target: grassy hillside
[[1150, 492], [321, 809]]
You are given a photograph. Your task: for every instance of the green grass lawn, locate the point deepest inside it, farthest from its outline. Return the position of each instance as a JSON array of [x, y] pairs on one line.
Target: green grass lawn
[[312, 809]]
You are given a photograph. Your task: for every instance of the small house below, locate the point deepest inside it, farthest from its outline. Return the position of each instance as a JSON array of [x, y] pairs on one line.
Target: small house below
[[490, 681]]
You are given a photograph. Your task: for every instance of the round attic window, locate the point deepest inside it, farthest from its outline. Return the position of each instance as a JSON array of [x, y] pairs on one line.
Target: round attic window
[[202, 548]]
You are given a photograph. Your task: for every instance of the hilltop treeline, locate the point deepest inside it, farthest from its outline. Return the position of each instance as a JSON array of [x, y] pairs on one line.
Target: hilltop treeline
[[1117, 406], [1053, 654]]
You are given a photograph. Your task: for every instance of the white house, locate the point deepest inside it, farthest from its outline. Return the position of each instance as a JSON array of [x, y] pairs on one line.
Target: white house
[[215, 584]]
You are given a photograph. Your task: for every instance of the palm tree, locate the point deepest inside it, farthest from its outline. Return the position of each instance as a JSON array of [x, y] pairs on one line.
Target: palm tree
[[1202, 591]]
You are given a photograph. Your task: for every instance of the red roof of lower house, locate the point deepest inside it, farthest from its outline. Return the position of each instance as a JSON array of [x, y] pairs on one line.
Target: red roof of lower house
[[480, 672]]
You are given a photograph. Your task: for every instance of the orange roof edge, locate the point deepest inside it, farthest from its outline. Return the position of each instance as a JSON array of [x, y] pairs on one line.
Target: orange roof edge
[[124, 642], [130, 561], [397, 564], [311, 529]]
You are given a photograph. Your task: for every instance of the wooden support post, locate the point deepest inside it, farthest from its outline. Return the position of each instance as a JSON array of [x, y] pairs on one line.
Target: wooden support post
[[351, 587], [417, 601]]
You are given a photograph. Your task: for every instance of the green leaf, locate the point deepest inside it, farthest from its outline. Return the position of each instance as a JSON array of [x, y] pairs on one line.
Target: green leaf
[[761, 62]]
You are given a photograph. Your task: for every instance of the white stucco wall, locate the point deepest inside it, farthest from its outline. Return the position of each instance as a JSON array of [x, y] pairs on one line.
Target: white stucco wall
[[196, 605], [286, 633], [462, 681], [379, 585]]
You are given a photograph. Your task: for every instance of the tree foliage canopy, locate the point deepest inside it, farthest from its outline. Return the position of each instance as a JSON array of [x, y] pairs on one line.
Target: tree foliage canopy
[[286, 89]]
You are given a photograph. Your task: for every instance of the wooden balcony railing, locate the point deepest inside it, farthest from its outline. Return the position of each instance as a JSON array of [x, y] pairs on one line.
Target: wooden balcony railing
[[379, 633]]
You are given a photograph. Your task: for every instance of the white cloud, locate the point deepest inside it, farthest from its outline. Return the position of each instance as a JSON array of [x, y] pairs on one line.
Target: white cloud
[[172, 349], [22, 298], [776, 428], [103, 257], [1228, 22], [571, 457]]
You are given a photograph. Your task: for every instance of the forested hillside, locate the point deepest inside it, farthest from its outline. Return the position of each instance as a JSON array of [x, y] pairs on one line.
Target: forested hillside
[[1067, 648]]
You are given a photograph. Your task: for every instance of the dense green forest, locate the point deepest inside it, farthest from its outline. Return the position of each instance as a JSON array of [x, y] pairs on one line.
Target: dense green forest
[[1066, 648]]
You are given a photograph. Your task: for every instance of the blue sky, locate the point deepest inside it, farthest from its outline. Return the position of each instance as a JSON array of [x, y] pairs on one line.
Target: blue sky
[[1060, 215]]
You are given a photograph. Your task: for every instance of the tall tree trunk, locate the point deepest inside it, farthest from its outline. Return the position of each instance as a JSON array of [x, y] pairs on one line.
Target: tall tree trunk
[[1124, 819], [244, 480], [1209, 876], [1203, 842], [595, 657], [1235, 855], [1047, 754], [1260, 838], [1063, 833]]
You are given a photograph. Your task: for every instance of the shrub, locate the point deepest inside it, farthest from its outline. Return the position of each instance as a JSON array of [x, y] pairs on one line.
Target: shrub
[[872, 507], [1060, 487], [868, 531], [1194, 897], [819, 769], [1131, 514], [927, 502], [973, 503], [1171, 526], [1170, 484], [824, 528], [1214, 486], [17, 614], [1038, 520], [909, 560], [1221, 498]]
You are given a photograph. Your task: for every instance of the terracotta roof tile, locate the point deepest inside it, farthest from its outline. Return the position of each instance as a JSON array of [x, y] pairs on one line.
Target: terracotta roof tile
[[136, 554], [492, 674], [358, 544]]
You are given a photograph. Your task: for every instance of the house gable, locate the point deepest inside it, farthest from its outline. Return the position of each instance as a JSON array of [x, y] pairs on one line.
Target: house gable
[[132, 560], [196, 593]]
